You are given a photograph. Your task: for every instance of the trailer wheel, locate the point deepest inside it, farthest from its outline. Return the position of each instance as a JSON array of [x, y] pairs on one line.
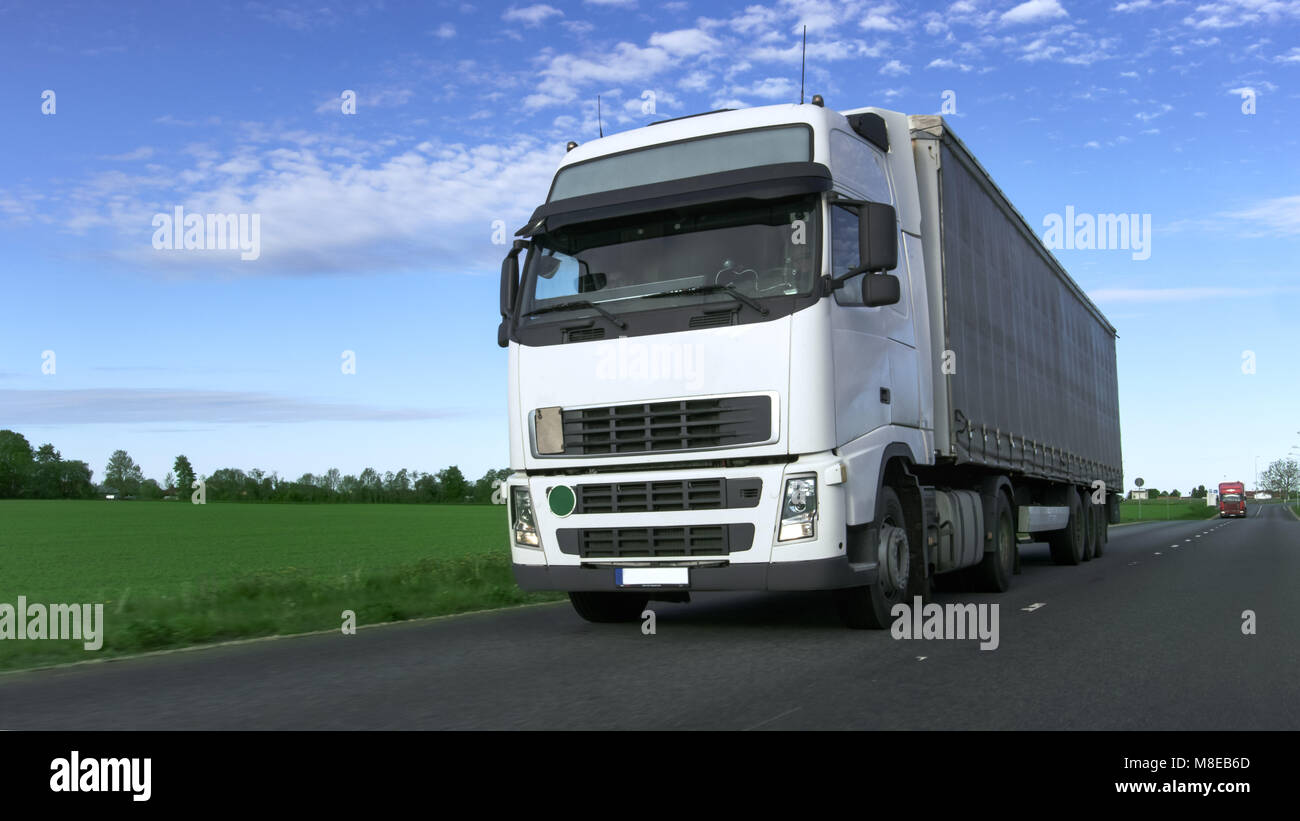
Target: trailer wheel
[[996, 568], [868, 608], [602, 607], [1100, 534], [1067, 544]]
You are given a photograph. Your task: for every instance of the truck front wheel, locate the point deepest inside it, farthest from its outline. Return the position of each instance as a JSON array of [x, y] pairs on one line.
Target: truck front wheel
[[604, 607], [868, 608]]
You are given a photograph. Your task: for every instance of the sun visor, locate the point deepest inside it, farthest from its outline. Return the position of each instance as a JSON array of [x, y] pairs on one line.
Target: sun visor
[[763, 182]]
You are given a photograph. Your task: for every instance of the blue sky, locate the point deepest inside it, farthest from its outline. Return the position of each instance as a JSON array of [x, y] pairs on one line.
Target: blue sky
[[377, 227]]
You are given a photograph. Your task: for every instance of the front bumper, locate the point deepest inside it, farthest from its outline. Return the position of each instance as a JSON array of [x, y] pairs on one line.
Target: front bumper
[[815, 563], [815, 574]]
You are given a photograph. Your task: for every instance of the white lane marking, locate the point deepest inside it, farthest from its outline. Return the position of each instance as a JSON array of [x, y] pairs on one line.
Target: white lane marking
[[1130, 564], [922, 658], [1158, 553], [1187, 540], [1031, 608], [1173, 545]]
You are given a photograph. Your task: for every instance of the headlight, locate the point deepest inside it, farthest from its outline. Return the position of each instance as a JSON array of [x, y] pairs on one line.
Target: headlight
[[799, 510], [521, 517]]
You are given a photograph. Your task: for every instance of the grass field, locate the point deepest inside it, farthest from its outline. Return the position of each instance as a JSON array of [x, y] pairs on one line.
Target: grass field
[[172, 574], [1160, 510]]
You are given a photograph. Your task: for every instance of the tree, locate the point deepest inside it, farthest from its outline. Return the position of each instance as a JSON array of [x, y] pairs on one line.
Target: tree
[[1282, 476], [149, 490], [483, 487], [453, 484], [15, 463], [1174, 493], [123, 474], [44, 477], [74, 480], [184, 475]]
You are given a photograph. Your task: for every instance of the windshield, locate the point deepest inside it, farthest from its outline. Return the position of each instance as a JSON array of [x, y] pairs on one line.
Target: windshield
[[1232, 497], [760, 249]]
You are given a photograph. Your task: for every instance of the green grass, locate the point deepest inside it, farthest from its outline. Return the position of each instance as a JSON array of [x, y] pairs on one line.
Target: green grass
[[173, 574], [1160, 510]]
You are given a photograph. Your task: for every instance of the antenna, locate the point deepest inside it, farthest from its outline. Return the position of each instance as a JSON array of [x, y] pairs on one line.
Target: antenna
[[599, 124], [803, 61]]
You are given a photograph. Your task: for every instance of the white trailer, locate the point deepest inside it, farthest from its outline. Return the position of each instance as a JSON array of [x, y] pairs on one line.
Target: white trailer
[[788, 348]]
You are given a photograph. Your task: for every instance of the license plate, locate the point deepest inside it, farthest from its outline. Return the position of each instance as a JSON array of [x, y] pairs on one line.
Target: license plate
[[652, 576]]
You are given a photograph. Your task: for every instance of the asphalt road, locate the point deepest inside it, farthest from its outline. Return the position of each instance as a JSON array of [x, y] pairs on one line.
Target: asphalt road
[[1147, 637]]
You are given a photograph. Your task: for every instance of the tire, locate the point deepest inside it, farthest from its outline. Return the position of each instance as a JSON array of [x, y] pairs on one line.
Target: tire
[[995, 570], [1089, 525], [1067, 545], [1101, 533], [868, 608], [602, 607]]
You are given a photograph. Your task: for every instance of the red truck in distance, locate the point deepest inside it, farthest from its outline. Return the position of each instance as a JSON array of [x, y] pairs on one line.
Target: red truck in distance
[[1232, 499]]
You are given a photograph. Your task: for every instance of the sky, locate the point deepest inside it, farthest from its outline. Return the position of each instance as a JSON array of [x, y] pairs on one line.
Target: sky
[[361, 330]]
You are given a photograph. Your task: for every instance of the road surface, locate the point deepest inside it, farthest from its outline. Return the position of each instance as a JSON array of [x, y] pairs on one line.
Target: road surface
[[1147, 637]]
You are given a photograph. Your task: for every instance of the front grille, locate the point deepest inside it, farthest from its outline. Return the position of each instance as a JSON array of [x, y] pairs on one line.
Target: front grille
[[684, 494], [688, 424], [655, 542]]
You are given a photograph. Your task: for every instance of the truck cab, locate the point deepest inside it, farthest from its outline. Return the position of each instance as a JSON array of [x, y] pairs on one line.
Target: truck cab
[[1232, 500]]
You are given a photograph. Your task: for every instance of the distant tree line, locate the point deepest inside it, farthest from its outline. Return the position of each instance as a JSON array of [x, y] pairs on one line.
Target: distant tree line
[[44, 474]]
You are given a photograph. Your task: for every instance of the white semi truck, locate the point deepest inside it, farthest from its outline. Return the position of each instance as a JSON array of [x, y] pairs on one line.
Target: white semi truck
[[790, 348]]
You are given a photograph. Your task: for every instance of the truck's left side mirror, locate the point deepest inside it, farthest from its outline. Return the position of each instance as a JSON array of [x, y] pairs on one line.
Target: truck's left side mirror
[[510, 277], [877, 237], [509, 290]]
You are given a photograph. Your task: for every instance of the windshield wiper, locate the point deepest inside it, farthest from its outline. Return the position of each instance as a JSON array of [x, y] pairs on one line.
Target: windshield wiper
[[713, 289], [577, 303]]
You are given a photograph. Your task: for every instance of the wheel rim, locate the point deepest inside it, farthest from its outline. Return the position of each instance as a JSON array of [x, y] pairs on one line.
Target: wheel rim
[[895, 559]]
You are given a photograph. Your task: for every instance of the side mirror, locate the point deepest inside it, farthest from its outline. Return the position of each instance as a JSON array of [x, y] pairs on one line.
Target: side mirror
[[510, 277], [877, 238], [880, 289]]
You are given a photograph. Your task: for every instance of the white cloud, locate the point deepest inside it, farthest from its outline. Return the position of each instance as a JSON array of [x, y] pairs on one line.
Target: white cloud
[[770, 88], [125, 406], [881, 18], [1033, 11], [144, 152], [944, 62], [533, 15], [754, 19], [696, 81], [1279, 216], [625, 63], [685, 42], [1235, 13], [894, 69]]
